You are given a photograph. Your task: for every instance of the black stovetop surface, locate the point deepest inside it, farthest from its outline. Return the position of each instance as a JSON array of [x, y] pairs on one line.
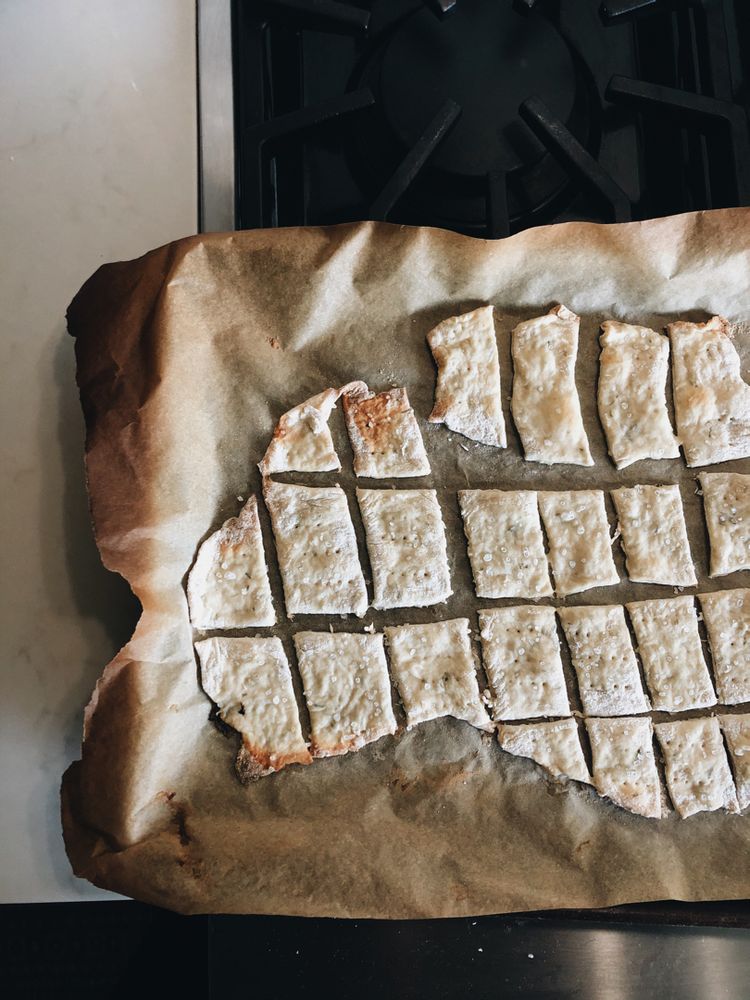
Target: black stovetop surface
[[669, 951], [500, 115]]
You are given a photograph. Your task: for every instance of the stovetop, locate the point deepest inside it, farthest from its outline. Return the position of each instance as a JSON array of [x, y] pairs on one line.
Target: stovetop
[[481, 116], [122, 949]]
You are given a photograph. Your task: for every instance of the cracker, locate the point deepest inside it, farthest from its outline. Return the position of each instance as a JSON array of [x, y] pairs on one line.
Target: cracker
[[632, 397], [711, 399], [227, 586], [580, 548], [384, 434], [301, 440], [555, 746], [653, 535], [727, 617], [521, 656], [433, 667], [251, 684], [600, 648], [506, 547], [467, 395], [407, 549], [316, 548], [544, 403], [624, 766], [671, 652], [347, 690], [696, 766], [726, 500], [736, 730]]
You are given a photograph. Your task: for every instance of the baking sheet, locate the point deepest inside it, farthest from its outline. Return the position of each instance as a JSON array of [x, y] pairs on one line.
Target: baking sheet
[[186, 358]]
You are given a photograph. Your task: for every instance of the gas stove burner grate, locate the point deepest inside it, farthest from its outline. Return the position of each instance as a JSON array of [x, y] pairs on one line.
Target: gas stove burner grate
[[400, 110]]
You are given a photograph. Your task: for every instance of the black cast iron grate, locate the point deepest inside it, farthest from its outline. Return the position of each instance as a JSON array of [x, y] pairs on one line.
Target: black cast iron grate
[[488, 116]]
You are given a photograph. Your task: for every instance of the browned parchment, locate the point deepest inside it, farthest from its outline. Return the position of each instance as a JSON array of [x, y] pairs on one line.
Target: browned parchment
[[186, 358]]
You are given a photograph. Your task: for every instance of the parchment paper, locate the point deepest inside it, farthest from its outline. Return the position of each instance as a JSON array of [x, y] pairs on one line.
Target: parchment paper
[[186, 358]]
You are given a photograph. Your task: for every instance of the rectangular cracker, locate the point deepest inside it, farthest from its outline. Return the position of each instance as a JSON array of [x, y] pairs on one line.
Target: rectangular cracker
[[726, 501], [727, 617], [317, 549], [555, 746], [624, 766], [251, 684], [227, 586], [406, 543], [671, 652], [384, 434], [654, 536], [545, 405], [521, 656], [736, 729], [434, 670], [467, 394], [506, 546], [580, 548], [711, 399], [632, 396], [608, 678], [347, 690], [696, 766]]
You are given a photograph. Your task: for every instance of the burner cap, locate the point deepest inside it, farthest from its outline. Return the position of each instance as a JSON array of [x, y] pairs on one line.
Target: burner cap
[[488, 58]]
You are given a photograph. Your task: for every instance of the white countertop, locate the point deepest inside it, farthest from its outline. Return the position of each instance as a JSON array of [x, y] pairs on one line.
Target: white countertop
[[97, 162]]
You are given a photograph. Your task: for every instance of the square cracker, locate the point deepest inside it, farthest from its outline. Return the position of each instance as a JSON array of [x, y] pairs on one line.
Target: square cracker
[[406, 544], [555, 746], [544, 403], [347, 690], [227, 586], [711, 399], [434, 670], [580, 548], [316, 548], [506, 546], [250, 681], [653, 535], [726, 501], [600, 648], [671, 652], [384, 434], [521, 656], [467, 395], [696, 766], [622, 753], [727, 617], [736, 730], [631, 395]]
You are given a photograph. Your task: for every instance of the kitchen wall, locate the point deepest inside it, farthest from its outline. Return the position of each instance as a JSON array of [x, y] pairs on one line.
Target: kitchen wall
[[97, 163]]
